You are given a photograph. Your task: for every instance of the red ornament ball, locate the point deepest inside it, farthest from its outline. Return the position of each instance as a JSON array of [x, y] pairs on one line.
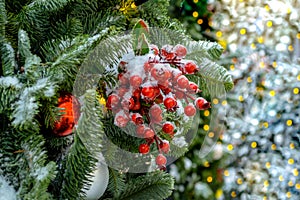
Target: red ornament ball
[[70, 109]]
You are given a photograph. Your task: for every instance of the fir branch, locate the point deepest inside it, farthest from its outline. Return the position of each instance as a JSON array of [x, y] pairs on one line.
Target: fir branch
[[24, 44], [2, 18], [116, 182], [159, 184], [84, 152], [9, 92], [26, 108], [8, 59], [213, 49]]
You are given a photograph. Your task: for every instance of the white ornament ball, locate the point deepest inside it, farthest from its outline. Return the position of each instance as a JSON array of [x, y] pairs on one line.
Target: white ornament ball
[[99, 182]]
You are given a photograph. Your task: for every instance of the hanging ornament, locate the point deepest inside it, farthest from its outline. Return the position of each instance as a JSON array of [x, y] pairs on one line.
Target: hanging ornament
[[70, 109], [100, 178]]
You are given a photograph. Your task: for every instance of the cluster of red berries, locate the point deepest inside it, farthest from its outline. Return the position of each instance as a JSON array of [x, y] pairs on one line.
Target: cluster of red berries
[[149, 84]]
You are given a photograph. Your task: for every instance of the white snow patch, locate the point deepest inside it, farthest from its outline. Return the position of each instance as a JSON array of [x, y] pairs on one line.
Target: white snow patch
[[7, 192]]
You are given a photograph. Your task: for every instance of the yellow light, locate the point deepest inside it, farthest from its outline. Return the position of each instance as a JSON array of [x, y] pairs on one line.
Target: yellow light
[[226, 173], [210, 23], [102, 101], [292, 146], [289, 122], [288, 194], [281, 178], [230, 147], [272, 93], [133, 6], [233, 194], [239, 181], [274, 64], [295, 172], [288, 11], [200, 21], [219, 34], [291, 161], [223, 43], [195, 1], [253, 145], [268, 165], [215, 101], [243, 31], [249, 79], [206, 113], [290, 183], [296, 90], [232, 67], [206, 164], [206, 127], [265, 198], [221, 137], [267, 8], [219, 193], [253, 46], [269, 24], [241, 98], [224, 103], [298, 77], [298, 35], [273, 147], [260, 39], [266, 183], [209, 179], [266, 124], [259, 89], [211, 134], [297, 186], [262, 65], [195, 14], [290, 48]]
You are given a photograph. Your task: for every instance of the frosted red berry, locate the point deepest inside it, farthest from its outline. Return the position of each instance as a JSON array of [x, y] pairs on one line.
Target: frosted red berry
[[140, 130], [183, 82], [168, 127], [170, 103], [164, 146], [135, 81], [112, 101], [161, 160], [144, 148], [202, 104], [190, 67], [148, 133], [121, 120], [137, 118], [180, 51], [190, 110], [193, 87]]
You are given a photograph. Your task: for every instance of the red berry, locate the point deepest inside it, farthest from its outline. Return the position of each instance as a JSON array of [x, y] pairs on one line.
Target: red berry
[[144, 148], [164, 146], [127, 104], [122, 91], [167, 52], [137, 106], [170, 103], [168, 127], [180, 51], [121, 120], [155, 110], [161, 160], [190, 110], [148, 133], [190, 67], [137, 94], [193, 87], [112, 101], [160, 73], [183, 82], [140, 130], [136, 81], [137, 118], [159, 99], [148, 66], [148, 92], [202, 104], [179, 95]]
